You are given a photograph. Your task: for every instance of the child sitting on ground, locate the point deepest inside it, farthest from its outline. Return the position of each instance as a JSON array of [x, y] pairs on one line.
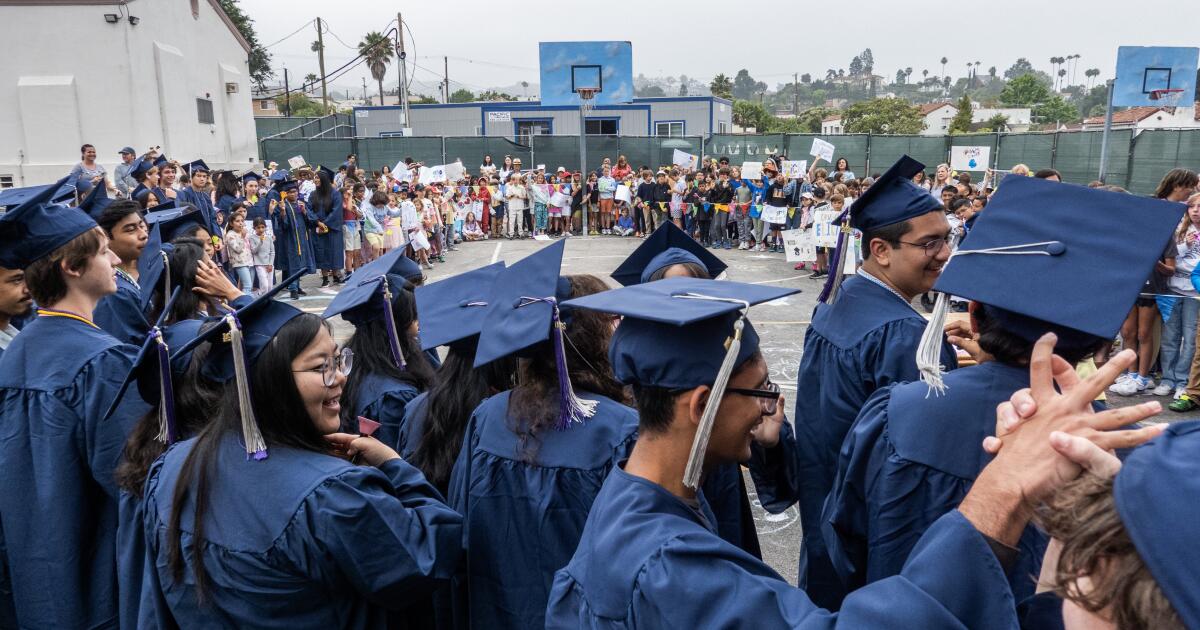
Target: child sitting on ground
[[625, 225]]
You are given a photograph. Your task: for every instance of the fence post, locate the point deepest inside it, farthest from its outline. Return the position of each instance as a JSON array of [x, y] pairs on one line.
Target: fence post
[[867, 168], [444, 160], [1054, 150], [1129, 160]]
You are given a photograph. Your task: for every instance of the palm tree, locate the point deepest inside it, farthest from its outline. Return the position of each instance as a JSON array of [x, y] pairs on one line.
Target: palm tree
[[311, 80], [376, 49], [1074, 67], [1091, 74], [944, 62], [992, 72], [1062, 73], [316, 46], [907, 73], [830, 74], [525, 89]]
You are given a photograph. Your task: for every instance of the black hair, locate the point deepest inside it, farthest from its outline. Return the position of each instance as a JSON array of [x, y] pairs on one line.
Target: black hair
[[185, 260], [656, 408], [282, 418], [196, 398], [889, 234], [694, 271], [321, 196], [115, 213], [1047, 173], [1007, 347], [83, 149], [260, 221], [227, 184], [456, 392], [536, 395], [373, 355], [959, 202]]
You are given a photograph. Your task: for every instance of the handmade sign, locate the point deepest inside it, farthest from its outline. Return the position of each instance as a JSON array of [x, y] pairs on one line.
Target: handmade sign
[[622, 193], [970, 158], [795, 169], [821, 149], [824, 231], [774, 214], [296, 162], [559, 200], [752, 170], [685, 160], [433, 174], [454, 171], [400, 172], [799, 245]]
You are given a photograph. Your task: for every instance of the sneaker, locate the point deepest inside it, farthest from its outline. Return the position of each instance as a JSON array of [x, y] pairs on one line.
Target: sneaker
[[728, 245], [1164, 389], [743, 246], [1120, 379], [1183, 405], [295, 295], [428, 266], [1131, 386], [817, 274]]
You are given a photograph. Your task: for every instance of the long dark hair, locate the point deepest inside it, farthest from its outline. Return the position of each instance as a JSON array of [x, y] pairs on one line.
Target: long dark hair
[[320, 198], [185, 260], [373, 355], [227, 184], [282, 418], [196, 399], [586, 347], [456, 392]]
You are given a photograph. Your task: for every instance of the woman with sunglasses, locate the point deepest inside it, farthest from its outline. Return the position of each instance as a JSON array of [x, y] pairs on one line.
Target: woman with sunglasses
[[268, 514]]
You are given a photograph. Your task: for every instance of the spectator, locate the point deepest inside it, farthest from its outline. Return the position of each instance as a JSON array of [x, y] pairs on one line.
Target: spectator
[[622, 168], [560, 205], [606, 186], [472, 229], [374, 217], [625, 226], [88, 168], [1050, 174], [941, 179], [541, 201], [488, 168], [262, 250], [351, 230], [241, 254], [1178, 344], [393, 234], [841, 170], [516, 196], [410, 222], [124, 181], [506, 169], [721, 193]]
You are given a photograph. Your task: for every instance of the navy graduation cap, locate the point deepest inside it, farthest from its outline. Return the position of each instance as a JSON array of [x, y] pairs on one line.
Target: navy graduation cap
[[197, 166], [323, 169], [279, 176], [140, 167], [161, 160], [452, 310], [251, 176], [289, 185], [154, 266], [371, 296], [174, 220], [235, 344], [666, 246], [95, 202], [523, 311], [63, 192], [1157, 495], [408, 269], [37, 227], [681, 333]]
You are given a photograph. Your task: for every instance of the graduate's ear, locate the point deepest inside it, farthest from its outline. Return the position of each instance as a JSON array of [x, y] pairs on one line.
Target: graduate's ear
[[881, 251], [972, 307], [696, 400]]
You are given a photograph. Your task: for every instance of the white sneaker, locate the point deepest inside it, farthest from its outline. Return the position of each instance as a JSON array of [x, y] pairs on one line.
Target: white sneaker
[[1130, 387], [1120, 379], [1164, 389], [1179, 392], [743, 246]]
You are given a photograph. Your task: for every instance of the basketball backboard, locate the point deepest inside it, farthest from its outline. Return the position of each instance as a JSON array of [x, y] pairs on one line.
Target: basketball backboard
[[603, 67], [1145, 72]]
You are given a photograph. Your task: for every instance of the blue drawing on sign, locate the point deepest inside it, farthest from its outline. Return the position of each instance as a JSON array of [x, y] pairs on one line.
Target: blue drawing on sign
[[972, 163]]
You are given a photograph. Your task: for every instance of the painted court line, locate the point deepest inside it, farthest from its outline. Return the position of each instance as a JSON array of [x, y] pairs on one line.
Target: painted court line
[[496, 254], [778, 280]]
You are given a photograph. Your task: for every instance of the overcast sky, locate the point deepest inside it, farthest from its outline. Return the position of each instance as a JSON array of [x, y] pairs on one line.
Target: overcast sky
[[493, 44]]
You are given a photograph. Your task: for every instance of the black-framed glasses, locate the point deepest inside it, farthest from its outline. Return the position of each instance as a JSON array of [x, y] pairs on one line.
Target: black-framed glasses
[[931, 247], [768, 397], [341, 363]]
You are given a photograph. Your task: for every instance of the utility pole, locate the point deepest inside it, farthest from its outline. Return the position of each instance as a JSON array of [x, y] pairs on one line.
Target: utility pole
[[287, 94], [321, 63], [365, 91], [795, 94], [403, 89], [446, 77]]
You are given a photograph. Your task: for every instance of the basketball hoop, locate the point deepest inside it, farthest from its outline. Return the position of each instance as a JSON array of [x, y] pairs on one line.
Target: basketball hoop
[[585, 99], [1166, 98]]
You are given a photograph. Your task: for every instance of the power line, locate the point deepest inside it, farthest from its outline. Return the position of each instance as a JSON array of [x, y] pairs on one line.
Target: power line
[[293, 33], [339, 72], [329, 31]]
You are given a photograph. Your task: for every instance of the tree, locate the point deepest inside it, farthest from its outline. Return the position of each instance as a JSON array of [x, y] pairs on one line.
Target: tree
[[683, 91], [1020, 67], [944, 62], [424, 100], [1091, 74], [907, 73], [808, 121], [830, 74], [856, 66], [259, 59], [744, 85], [311, 80], [751, 114], [999, 122], [721, 86], [900, 77], [650, 91], [806, 78], [1055, 110], [492, 95], [961, 123], [1024, 91], [525, 89], [868, 61], [462, 95], [1096, 97], [302, 105], [376, 49], [883, 115]]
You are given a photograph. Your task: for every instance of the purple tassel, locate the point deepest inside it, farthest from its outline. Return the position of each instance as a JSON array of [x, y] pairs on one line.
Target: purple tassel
[[835, 268], [390, 322], [167, 398], [571, 408]]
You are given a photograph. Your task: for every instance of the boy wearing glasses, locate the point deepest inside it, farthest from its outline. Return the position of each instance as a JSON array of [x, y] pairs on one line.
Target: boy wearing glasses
[[863, 341]]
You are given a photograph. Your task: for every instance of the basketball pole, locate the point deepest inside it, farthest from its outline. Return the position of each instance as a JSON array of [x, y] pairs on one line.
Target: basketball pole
[[583, 174], [1108, 116]]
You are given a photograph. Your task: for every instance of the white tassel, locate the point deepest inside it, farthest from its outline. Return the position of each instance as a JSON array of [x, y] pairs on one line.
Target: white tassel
[[929, 352], [166, 275], [256, 446], [695, 464]]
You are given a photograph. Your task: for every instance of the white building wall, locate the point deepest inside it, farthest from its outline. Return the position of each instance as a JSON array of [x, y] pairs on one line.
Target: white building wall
[[69, 77], [937, 122]]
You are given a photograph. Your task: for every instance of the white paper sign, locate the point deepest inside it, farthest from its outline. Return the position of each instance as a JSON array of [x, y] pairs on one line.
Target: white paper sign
[[852, 256], [296, 162], [683, 159], [559, 200], [454, 171], [774, 214], [499, 116], [824, 231], [433, 174], [970, 158], [821, 149], [400, 172], [795, 169], [799, 245], [752, 170], [623, 194]]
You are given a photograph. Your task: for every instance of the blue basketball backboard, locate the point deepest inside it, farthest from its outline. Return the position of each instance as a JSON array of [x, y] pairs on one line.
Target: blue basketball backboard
[[1142, 70], [567, 67]]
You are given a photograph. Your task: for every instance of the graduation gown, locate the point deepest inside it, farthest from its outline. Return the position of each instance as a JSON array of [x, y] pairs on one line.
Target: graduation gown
[[522, 520], [908, 460], [58, 495], [865, 340], [225, 203], [120, 314], [329, 248], [293, 247], [200, 200], [725, 490], [649, 560], [413, 426], [383, 399], [299, 540]]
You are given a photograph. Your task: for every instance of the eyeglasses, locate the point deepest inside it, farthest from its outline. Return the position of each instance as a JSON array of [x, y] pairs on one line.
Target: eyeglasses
[[768, 398], [341, 363], [931, 247]]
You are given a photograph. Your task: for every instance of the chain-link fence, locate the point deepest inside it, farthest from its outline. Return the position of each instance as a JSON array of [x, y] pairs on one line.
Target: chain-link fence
[[1136, 163]]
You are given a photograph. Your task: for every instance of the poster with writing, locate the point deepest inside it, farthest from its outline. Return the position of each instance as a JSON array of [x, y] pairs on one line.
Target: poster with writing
[[821, 149], [683, 159], [795, 169], [454, 171], [433, 174], [799, 245], [296, 162], [752, 170], [774, 214], [970, 158], [623, 193], [824, 231], [400, 172]]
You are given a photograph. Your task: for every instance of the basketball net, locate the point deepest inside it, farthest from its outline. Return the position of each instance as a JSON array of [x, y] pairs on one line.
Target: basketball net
[[585, 99], [1167, 98]]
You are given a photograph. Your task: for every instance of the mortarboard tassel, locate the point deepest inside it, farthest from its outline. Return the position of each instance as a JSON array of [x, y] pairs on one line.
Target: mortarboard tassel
[[167, 431], [836, 264], [166, 274], [571, 408], [390, 322], [695, 463], [256, 446]]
